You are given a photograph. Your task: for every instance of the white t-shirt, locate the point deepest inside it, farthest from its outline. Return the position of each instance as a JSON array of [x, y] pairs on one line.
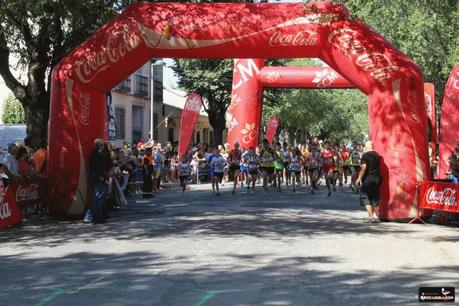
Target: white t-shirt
[[218, 164], [295, 164], [11, 163]]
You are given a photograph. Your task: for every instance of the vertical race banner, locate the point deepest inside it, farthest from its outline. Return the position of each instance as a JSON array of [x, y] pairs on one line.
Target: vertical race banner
[[449, 131], [273, 125], [429, 96], [190, 115], [112, 130]]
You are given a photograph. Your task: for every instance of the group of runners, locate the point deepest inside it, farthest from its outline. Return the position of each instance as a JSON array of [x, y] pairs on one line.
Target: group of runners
[[280, 165]]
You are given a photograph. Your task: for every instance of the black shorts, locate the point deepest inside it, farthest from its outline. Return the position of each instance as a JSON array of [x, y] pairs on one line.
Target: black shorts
[[356, 168], [286, 165], [269, 170], [253, 171], [183, 178], [218, 175], [234, 168], [311, 171], [366, 200]]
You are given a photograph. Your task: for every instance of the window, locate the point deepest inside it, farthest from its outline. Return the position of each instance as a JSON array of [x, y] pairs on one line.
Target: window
[[141, 86], [198, 136], [137, 122], [158, 93], [205, 134], [120, 119], [211, 136], [124, 86], [170, 135]]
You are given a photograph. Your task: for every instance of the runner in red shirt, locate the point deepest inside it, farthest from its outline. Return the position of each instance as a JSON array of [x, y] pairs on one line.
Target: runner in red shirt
[[234, 161], [328, 165]]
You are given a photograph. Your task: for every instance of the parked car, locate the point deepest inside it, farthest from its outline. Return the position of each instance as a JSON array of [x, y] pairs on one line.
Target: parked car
[[11, 133]]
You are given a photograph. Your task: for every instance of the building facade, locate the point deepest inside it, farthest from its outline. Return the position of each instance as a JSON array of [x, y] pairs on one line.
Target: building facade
[[132, 105]]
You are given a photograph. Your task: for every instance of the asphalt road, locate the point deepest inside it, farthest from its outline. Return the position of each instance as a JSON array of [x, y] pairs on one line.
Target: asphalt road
[[243, 249]]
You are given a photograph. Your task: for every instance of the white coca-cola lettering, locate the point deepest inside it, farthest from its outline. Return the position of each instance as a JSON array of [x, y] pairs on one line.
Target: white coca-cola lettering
[[5, 211], [88, 67], [325, 78], [445, 197], [85, 106], [377, 64], [27, 193], [428, 102], [299, 39], [194, 105], [413, 103]]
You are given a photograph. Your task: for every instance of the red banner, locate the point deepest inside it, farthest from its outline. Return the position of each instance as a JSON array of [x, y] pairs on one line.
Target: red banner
[[429, 95], [439, 196], [273, 125], [190, 115], [17, 195], [449, 133]]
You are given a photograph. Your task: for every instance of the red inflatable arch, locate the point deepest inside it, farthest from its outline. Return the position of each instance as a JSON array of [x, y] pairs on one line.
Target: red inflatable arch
[[321, 30]]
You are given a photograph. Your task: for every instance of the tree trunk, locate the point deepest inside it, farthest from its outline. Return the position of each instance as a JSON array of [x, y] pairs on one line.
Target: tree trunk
[[36, 117], [218, 126]]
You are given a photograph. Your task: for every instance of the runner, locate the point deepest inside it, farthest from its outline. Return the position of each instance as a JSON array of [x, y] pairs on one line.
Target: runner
[[267, 156], [313, 161], [184, 169], [210, 157], [344, 155], [279, 166], [327, 165], [295, 167], [251, 159], [338, 166], [244, 176], [218, 163], [287, 152], [234, 161], [304, 170], [355, 157]]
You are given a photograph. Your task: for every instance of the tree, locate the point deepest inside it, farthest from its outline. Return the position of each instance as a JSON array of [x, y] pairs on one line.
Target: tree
[[212, 80], [12, 112], [424, 30], [40, 33]]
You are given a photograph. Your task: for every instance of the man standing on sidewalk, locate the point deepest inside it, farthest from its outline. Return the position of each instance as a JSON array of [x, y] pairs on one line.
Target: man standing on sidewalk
[[99, 171], [369, 180]]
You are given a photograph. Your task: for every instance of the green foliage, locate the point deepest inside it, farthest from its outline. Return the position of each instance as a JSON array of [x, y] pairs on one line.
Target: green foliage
[[12, 112], [425, 30]]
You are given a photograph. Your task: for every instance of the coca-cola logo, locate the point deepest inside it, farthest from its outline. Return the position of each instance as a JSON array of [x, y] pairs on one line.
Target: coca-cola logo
[[27, 193], [325, 78], [89, 66], [445, 197], [194, 104], [377, 64], [85, 106], [300, 39], [5, 210], [274, 123]]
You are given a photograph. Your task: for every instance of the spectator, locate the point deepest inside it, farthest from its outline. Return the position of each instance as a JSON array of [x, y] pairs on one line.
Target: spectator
[[147, 164], [454, 164], [22, 157], [40, 159], [10, 163], [368, 181]]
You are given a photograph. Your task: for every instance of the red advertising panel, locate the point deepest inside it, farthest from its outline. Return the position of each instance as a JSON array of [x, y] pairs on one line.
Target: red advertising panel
[[439, 196], [17, 195], [429, 95], [449, 133], [273, 125], [190, 115]]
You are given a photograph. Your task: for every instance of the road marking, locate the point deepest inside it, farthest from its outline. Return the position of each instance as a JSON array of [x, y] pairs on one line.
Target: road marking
[[52, 296], [206, 297]]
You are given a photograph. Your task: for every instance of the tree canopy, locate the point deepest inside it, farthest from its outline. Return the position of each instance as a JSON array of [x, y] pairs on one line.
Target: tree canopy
[[12, 111]]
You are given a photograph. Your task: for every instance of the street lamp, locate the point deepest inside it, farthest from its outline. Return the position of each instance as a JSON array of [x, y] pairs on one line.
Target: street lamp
[[152, 89]]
